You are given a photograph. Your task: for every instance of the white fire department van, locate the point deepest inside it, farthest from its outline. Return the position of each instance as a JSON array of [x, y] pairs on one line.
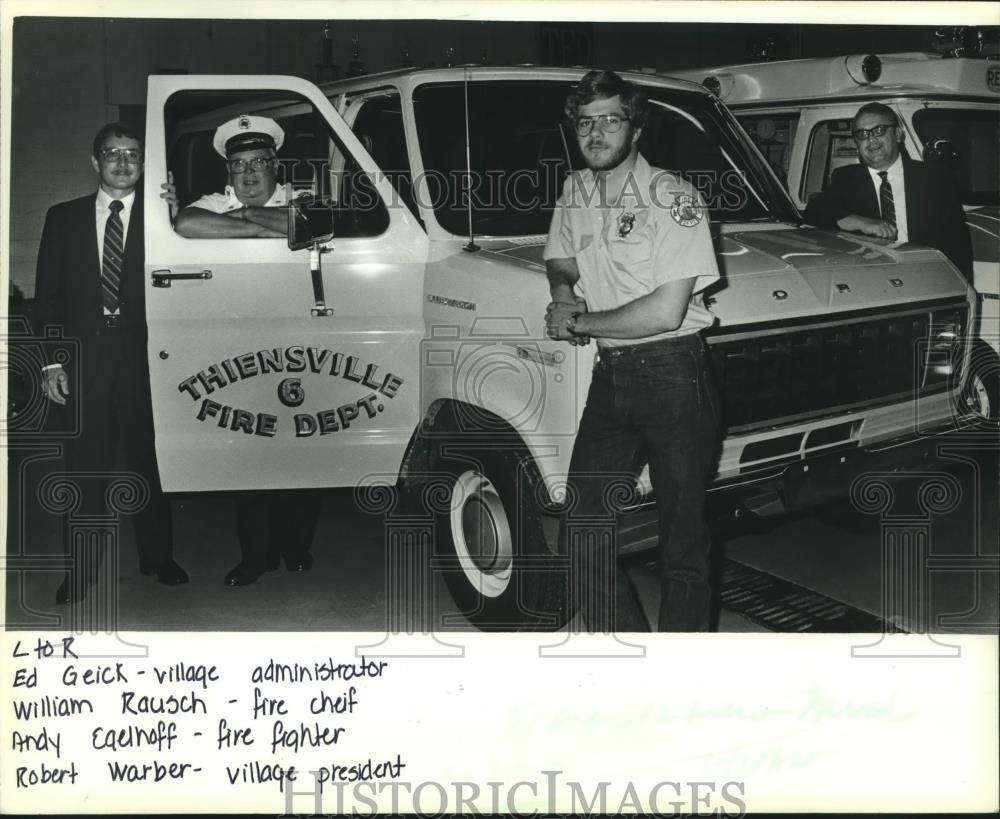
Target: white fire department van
[[798, 113], [398, 338]]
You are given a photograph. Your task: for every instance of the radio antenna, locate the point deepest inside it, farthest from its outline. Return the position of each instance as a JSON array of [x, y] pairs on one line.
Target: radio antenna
[[471, 247]]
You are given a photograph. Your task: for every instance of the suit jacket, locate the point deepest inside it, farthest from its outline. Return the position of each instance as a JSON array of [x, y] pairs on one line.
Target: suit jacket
[[933, 210], [68, 289]]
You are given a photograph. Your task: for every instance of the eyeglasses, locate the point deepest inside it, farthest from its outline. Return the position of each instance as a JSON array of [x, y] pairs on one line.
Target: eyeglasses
[[130, 155], [862, 134], [258, 163], [609, 123]]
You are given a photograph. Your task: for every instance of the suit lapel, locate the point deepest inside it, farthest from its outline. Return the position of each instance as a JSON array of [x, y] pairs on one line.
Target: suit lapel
[[87, 275], [868, 198], [88, 239], [132, 264]]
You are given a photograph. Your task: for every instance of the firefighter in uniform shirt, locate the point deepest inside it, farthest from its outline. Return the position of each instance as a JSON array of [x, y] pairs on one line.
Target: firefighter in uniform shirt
[[253, 203], [634, 241], [271, 524]]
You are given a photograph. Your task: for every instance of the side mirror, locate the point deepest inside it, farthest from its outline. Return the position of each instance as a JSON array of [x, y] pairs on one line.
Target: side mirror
[[310, 221]]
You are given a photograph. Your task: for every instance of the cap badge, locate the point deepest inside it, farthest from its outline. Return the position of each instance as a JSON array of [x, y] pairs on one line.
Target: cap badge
[[244, 122]]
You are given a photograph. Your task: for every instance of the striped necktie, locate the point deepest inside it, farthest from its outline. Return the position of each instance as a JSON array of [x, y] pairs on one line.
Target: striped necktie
[[111, 264], [885, 200]]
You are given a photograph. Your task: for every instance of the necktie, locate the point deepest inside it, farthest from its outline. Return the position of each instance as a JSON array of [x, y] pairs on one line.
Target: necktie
[[111, 264], [885, 200]]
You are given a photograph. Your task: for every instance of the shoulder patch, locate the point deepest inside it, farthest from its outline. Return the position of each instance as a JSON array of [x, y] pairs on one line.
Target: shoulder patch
[[685, 211]]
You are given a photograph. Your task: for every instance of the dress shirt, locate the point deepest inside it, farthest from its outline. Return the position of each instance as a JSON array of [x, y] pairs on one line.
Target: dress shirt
[[898, 183], [101, 212]]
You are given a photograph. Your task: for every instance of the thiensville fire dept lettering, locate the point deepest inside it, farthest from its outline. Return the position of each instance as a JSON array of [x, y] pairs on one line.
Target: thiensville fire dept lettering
[[291, 393]]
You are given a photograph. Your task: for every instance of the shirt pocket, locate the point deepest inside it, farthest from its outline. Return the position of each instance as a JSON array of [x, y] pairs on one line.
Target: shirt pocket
[[630, 239], [630, 253]]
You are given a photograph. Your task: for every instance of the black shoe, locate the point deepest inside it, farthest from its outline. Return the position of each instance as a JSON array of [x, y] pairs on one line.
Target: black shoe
[[299, 564], [243, 573], [168, 572], [69, 592]]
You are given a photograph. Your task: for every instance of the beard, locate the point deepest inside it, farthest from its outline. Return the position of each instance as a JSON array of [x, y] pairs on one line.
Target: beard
[[608, 158]]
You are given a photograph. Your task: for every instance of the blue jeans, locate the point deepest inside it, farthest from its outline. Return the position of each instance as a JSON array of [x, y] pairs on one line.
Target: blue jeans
[[649, 403]]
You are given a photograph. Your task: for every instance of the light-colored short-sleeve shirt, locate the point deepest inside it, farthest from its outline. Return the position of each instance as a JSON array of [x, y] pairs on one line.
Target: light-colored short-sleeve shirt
[[656, 232], [227, 201]]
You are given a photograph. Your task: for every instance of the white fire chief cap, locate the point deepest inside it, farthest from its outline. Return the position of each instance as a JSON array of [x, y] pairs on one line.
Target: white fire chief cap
[[247, 133]]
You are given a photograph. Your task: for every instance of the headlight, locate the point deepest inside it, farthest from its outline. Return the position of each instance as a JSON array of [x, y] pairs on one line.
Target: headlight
[[945, 346]]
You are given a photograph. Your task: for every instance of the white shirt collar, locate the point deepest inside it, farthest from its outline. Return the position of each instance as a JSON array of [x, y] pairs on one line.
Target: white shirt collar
[[104, 200], [276, 200], [640, 171], [895, 170]]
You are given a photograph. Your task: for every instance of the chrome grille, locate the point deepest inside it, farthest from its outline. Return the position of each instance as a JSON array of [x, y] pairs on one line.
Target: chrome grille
[[776, 374]]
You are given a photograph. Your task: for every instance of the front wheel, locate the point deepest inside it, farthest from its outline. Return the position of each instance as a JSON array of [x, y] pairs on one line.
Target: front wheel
[[982, 392], [490, 544]]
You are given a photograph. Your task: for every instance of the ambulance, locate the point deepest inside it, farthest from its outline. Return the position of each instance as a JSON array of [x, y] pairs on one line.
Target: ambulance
[[798, 113], [395, 341]]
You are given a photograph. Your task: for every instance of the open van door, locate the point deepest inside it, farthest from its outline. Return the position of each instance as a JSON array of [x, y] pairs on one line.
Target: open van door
[[274, 367]]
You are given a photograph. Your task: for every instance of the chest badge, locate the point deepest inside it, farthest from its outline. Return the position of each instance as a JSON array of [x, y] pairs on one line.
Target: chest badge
[[626, 222]]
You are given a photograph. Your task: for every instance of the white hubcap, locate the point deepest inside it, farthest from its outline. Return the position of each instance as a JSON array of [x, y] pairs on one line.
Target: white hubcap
[[481, 533], [979, 397]]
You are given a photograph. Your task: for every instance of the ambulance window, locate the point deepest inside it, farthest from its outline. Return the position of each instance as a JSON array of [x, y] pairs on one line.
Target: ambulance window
[[307, 159], [774, 135], [831, 146], [379, 126], [965, 141]]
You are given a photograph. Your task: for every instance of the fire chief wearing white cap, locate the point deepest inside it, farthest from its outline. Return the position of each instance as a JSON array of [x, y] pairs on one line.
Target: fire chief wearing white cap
[[271, 524], [252, 204]]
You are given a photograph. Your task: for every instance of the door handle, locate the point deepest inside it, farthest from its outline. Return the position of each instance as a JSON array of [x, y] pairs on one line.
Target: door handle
[[163, 278]]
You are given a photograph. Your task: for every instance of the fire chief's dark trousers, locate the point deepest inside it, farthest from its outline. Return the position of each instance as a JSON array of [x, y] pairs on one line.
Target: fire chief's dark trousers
[[114, 410], [276, 523], [654, 403]]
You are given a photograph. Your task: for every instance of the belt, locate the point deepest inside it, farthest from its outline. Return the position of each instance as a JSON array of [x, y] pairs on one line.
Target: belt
[[692, 341]]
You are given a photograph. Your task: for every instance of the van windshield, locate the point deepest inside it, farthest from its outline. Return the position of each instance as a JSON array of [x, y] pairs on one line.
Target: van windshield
[[520, 150], [965, 140]]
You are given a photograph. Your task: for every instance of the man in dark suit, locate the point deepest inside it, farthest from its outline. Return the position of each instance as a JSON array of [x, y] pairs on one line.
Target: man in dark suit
[[891, 196], [89, 283]]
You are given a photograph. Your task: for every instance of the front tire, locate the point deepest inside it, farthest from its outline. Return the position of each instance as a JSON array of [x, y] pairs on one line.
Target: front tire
[[490, 543], [982, 392]]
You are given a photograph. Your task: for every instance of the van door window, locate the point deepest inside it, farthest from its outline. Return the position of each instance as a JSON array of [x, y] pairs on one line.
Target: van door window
[[312, 159], [379, 127], [774, 135]]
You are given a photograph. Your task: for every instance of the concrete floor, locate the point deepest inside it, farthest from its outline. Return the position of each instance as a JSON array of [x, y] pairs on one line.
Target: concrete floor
[[345, 591]]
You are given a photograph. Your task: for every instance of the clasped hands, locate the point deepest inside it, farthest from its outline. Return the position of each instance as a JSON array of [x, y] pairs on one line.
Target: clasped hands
[[559, 317]]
